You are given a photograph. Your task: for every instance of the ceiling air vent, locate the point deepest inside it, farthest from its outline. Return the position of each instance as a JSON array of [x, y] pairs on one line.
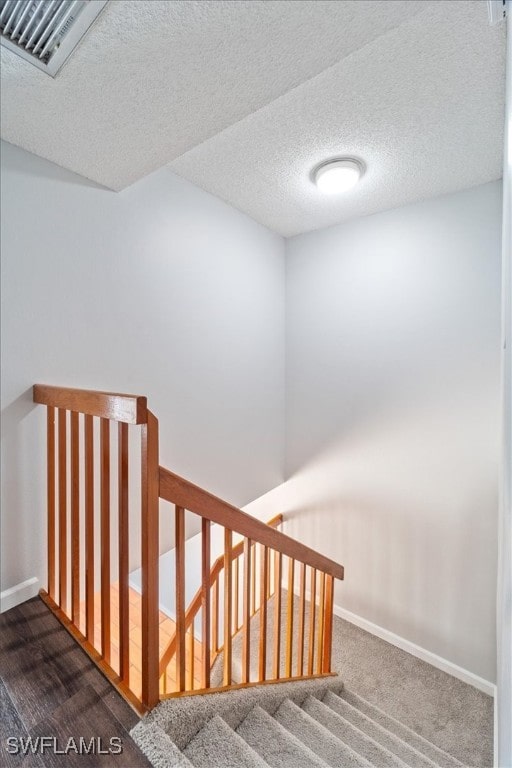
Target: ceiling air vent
[[45, 32]]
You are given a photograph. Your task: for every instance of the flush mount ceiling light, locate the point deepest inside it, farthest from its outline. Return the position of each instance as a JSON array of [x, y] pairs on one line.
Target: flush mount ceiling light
[[338, 175]]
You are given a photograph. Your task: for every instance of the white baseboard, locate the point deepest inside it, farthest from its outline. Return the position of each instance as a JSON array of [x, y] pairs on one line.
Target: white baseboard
[[416, 650], [9, 598]]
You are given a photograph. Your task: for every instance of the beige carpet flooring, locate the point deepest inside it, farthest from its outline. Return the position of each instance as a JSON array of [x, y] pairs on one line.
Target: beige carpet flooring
[[451, 714]]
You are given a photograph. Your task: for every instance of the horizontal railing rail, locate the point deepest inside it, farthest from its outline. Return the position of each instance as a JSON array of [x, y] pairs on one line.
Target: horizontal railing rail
[[185, 494], [131, 409]]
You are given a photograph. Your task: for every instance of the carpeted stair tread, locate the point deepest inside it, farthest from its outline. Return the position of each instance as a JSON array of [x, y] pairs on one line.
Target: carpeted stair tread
[[277, 746], [160, 750], [182, 717], [408, 754], [218, 746], [360, 742], [317, 738], [439, 756]]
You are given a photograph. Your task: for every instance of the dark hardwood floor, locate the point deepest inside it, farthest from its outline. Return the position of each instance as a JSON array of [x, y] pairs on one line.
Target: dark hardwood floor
[[50, 688]]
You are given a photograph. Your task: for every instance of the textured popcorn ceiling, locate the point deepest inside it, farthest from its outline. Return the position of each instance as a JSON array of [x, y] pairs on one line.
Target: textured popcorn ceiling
[[422, 105], [243, 98]]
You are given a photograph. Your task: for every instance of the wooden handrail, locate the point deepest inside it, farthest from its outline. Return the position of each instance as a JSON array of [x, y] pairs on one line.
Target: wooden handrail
[[131, 409], [195, 605], [185, 494]]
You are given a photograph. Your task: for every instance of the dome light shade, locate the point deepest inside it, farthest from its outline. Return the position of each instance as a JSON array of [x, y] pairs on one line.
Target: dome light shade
[[338, 175]]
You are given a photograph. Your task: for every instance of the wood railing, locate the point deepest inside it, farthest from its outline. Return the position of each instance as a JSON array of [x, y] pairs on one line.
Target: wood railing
[[98, 508], [195, 607], [261, 552], [84, 555]]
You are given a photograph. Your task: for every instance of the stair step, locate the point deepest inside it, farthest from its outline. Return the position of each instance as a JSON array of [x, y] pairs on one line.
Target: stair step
[[360, 742], [315, 736], [277, 746], [217, 744], [437, 755], [410, 756], [160, 750]]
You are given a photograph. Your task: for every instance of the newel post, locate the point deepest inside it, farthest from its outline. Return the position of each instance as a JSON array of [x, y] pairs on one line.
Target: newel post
[[149, 559]]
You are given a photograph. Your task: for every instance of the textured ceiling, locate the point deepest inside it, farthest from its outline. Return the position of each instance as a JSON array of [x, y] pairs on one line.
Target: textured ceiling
[[422, 105], [154, 78], [242, 98]]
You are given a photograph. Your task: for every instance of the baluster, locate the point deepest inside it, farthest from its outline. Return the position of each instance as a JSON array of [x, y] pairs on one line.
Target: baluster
[[312, 608], [246, 647], [105, 538], [75, 521], [269, 577], [124, 621], [236, 595], [89, 528], [277, 614], [50, 451], [205, 603], [190, 686], [329, 602], [302, 612], [180, 598], [228, 605], [149, 560], [215, 616], [321, 607], [253, 580], [289, 616], [63, 560], [263, 613]]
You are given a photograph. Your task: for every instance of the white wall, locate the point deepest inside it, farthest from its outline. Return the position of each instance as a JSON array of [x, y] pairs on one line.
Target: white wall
[[162, 290], [393, 370], [504, 756], [393, 350]]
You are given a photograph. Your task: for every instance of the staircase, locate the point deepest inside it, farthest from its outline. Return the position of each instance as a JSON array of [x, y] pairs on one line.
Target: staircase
[[245, 679], [312, 724]]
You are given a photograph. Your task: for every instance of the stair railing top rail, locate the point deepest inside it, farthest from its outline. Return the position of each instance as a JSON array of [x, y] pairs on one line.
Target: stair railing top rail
[[131, 409], [185, 494]]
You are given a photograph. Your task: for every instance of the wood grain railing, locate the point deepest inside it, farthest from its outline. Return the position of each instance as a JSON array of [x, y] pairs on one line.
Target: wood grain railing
[[238, 555], [99, 506], [84, 557], [262, 562]]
